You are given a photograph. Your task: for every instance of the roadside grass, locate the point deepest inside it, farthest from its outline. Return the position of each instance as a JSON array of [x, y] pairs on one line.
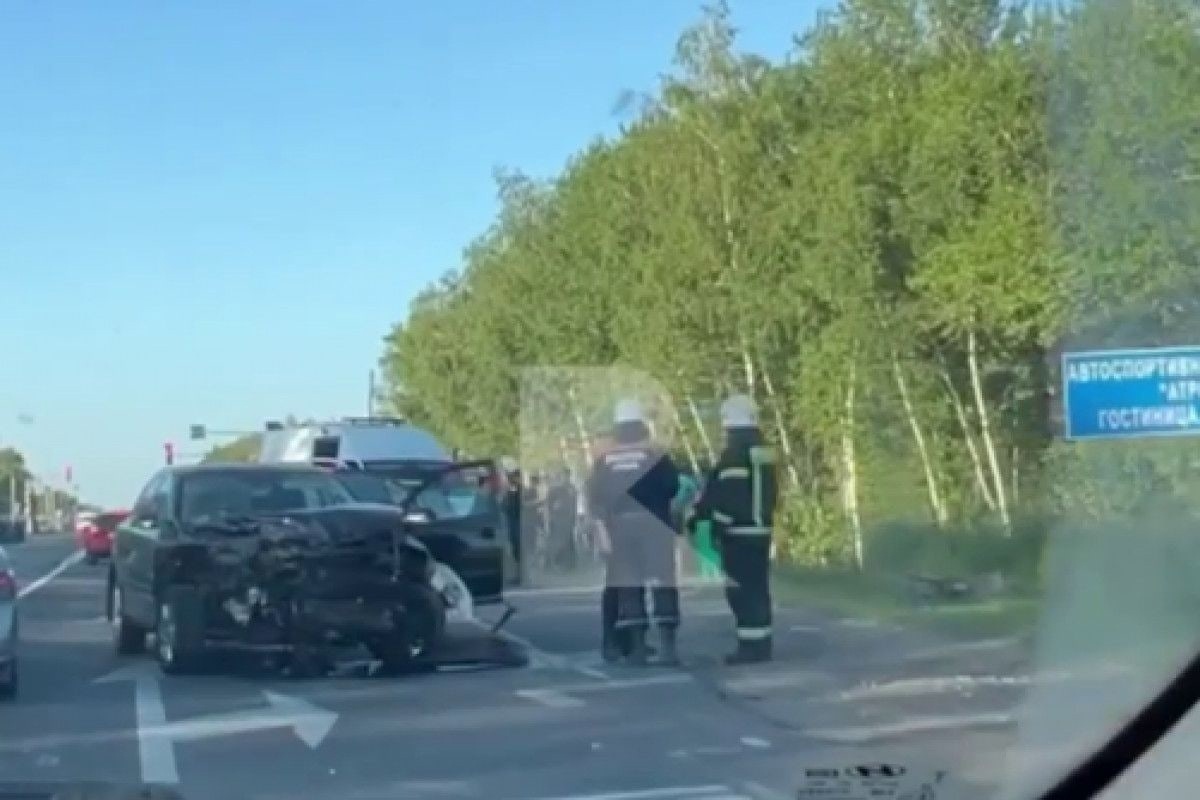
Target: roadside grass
[[878, 598]]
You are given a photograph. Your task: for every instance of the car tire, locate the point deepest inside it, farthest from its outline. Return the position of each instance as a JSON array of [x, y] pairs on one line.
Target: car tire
[[179, 630], [421, 623], [8, 689], [129, 638]]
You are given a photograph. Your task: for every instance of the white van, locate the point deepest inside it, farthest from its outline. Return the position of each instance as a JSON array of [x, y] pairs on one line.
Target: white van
[[354, 443]]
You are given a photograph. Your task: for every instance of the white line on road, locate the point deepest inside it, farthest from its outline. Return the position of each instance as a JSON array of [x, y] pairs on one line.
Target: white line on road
[[64, 565], [759, 792], [156, 753], [631, 683], [954, 648], [944, 684], [789, 679], [864, 734], [560, 696], [708, 792], [550, 698]]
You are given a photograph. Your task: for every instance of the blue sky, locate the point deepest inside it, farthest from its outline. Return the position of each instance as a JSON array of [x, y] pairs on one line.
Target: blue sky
[[213, 211]]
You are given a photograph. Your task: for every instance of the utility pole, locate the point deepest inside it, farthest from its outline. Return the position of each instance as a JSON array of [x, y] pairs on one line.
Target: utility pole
[[371, 394], [30, 515]]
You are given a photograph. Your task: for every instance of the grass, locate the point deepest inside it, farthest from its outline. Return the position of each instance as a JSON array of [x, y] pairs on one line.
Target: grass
[[876, 598]]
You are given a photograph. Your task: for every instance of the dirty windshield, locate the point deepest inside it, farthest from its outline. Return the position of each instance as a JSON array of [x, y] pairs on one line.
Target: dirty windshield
[[442, 491], [682, 399], [213, 495]]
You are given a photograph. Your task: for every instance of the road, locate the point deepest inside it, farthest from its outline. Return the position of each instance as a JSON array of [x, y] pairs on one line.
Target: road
[[563, 726]]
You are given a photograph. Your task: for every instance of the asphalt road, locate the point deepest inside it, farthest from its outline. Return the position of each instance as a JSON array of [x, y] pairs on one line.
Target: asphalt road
[[563, 726]]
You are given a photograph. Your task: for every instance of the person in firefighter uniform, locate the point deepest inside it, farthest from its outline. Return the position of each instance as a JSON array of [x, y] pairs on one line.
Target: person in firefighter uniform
[[630, 490], [739, 499]]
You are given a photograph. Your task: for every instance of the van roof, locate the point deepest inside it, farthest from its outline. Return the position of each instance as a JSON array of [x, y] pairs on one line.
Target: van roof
[[354, 440]]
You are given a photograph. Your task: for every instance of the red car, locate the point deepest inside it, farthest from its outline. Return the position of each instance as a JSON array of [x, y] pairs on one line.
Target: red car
[[95, 535]]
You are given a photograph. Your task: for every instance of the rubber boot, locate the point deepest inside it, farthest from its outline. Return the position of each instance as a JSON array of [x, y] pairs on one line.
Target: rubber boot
[[638, 654], [669, 655], [750, 652], [612, 646]]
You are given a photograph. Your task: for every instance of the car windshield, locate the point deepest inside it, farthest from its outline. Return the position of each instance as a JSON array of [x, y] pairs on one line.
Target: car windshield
[[212, 496], [109, 520], [445, 494]]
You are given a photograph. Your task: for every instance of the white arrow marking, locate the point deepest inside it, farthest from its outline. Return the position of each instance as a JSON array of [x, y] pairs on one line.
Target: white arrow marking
[[310, 723], [156, 736], [551, 698]]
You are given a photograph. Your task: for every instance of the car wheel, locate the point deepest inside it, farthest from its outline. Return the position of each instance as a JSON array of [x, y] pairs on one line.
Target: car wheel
[[418, 630], [179, 630], [129, 638], [8, 689]]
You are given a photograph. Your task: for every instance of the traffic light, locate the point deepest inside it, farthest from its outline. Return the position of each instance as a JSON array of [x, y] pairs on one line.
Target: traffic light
[[169, 450]]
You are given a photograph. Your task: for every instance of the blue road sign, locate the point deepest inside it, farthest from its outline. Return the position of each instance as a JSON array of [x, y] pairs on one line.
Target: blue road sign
[[1114, 394]]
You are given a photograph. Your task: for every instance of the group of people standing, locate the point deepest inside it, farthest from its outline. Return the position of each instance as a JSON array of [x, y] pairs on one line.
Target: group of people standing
[[546, 512], [641, 504], [631, 490]]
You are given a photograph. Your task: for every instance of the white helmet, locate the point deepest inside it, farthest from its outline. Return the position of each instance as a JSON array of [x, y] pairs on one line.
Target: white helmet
[[628, 410], [739, 411]]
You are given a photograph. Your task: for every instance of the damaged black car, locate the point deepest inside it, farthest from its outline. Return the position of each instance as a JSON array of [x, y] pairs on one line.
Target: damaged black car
[[276, 560]]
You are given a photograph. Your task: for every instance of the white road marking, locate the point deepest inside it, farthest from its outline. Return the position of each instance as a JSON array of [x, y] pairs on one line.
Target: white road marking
[[64, 565], [789, 679], [917, 687], [631, 683], [156, 753], [755, 742], [705, 752], [943, 684], [864, 734], [708, 792], [157, 737], [310, 723], [550, 698], [561, 695], [759, 792], [963, 647]]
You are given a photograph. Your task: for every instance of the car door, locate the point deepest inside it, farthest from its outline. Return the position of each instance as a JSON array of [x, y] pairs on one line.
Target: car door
[[134, 546], [462, 525]]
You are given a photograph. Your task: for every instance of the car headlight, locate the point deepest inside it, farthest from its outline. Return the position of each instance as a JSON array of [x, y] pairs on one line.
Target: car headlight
[[450, 589]]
